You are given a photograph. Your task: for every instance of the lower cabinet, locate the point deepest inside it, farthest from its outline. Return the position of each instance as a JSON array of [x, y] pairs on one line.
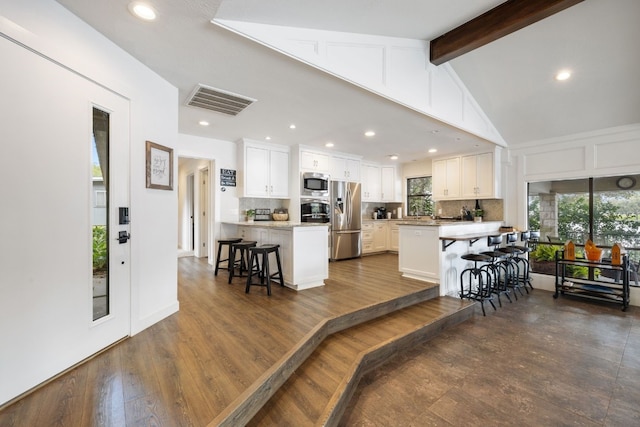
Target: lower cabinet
[[374, 236], [394, 236]]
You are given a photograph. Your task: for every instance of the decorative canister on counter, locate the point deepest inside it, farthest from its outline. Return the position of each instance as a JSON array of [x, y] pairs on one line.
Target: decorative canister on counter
[[399, 216], [388, 215]]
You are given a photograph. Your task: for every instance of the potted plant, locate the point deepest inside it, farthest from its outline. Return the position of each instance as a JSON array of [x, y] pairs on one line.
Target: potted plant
[[251, 214], [478, 214]]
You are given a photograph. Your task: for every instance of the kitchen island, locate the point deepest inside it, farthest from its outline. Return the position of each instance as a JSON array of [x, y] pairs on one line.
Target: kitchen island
[[430, 250], [304, 250]]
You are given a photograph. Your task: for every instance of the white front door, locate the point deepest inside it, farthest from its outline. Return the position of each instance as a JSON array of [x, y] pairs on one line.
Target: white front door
[[47, 193]]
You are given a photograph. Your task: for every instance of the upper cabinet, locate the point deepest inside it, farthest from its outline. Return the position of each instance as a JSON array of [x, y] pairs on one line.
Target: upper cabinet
[[314, 161], [467, 177], [264, 170], [344, 169], [446, 179], [389, 183], [478, 178], [371, 183]]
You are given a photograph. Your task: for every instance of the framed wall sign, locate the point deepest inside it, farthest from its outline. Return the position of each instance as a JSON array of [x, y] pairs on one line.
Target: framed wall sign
[[159, 166], [228, 177]]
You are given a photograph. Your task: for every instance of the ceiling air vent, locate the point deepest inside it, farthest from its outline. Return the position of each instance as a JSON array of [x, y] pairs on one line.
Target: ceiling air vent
[[218, 100]]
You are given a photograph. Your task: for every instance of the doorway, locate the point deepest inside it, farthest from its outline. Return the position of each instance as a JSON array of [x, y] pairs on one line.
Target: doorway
[[194, 207]]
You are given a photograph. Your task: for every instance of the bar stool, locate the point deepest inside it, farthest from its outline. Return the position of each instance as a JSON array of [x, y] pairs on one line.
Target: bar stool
[[511, 251], [259, 264], [475, 283], [242, 262], [525, 277], [221, 243], [498, 268]]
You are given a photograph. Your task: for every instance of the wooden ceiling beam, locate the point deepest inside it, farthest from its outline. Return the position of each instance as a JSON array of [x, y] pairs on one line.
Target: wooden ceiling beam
[[504, 19]]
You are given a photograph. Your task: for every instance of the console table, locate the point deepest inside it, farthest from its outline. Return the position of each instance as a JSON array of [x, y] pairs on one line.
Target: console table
[[593, 286]]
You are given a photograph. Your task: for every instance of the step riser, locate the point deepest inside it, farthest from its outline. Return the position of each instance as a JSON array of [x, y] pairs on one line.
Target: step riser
[[247, 405], [382, 354]]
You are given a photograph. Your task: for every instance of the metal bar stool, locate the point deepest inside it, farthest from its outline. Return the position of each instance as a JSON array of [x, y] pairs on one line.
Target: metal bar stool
[[497, 268], [515, 278], [221, 243], [525, 276], [475, 283], [240, 263], [259, 265]]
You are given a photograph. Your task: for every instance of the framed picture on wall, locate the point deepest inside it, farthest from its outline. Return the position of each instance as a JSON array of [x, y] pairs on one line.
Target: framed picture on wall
[[159, 166]]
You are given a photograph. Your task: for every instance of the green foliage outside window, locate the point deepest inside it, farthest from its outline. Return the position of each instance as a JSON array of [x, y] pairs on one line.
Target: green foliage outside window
[[419, 196], [100, 253]]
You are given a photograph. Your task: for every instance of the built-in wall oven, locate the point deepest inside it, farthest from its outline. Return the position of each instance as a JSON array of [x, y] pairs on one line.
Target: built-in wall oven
[[315, 210], [314, 184]]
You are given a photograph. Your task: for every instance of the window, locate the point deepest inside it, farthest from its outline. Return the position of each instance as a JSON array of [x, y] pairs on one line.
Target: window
[[101, 199], [605, 210], [419, 196]]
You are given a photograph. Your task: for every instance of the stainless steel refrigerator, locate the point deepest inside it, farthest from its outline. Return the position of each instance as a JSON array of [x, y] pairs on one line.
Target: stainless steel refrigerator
[[345, 220]]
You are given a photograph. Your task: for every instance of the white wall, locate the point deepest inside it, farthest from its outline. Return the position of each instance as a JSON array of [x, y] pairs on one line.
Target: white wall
[[82, 53], [606, 152]]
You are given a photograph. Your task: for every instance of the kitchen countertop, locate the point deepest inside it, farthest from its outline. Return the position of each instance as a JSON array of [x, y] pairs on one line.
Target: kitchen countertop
[[276, 224]]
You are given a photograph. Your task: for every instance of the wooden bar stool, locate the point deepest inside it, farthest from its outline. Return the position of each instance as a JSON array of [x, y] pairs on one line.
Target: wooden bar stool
[[241, 262], [221, 243], [259, 266]]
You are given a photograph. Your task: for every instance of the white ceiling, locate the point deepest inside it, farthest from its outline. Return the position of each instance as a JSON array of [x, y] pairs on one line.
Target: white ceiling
[[512, 78]]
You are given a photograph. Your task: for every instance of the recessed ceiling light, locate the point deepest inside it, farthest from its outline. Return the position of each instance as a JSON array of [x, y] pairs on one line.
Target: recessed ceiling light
[[369, 133], [435, 131], [433, 150], [292, 126], [563, 75], [268, 138], [329, 144], [203, 123], [393, 157], [142, 10]]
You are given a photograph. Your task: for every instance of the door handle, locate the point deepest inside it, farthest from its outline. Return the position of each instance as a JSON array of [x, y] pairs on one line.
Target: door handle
[[123, 237]]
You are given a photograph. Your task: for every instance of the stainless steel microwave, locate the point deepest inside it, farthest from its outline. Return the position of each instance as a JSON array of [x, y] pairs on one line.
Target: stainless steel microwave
[[313, 184]]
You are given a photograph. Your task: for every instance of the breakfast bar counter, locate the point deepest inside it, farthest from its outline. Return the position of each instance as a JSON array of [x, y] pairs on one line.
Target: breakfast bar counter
[[430, 250], [303, 248]]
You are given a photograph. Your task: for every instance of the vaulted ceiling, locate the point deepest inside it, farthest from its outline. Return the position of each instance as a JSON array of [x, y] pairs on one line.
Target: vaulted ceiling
[[511, 78]]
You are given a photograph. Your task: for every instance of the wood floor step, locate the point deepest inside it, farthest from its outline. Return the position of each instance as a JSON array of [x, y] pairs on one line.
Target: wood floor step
[[319, 390], [244, 407]]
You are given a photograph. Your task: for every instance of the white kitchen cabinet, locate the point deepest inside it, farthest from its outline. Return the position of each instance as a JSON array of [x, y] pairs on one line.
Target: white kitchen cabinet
[[314, 161], [446, 179], [389, 185], [394, 236], [264, 170], [477, 176], [371, 183], [344, 169], [380, 230], [374, 236], [367, 237]]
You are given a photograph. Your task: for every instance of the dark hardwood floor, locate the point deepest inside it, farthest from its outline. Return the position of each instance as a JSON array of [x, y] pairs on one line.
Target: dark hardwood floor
[[537, 361]]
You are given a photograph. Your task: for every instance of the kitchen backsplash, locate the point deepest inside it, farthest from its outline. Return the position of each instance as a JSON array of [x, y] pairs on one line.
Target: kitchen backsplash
[[493, 208], [259, 203]]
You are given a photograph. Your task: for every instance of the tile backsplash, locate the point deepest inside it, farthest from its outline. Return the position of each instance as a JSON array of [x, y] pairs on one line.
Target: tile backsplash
[[493, 208], [260, 203]]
